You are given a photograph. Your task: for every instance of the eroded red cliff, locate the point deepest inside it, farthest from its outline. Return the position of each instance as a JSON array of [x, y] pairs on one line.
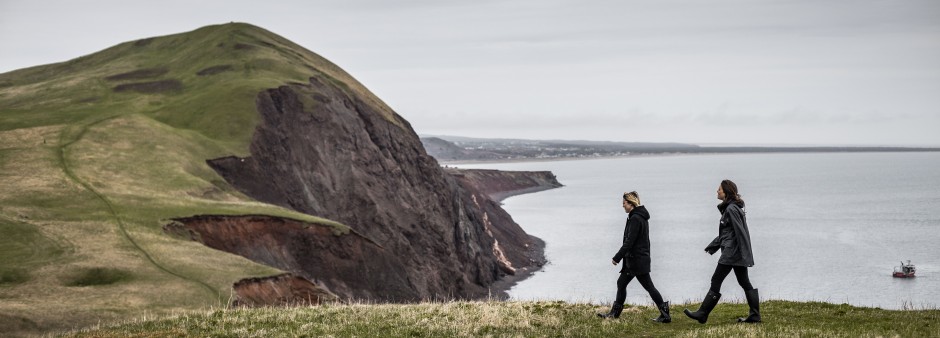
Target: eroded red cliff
[[281, 290], [345, 264], [322, 150]]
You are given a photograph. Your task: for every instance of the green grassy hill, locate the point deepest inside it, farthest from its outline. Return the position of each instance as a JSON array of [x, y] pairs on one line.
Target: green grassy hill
[[97, 153], [532, 319]]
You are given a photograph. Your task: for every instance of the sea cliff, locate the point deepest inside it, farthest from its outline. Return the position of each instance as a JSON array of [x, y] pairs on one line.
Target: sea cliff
[[421, 232], [327, 265]]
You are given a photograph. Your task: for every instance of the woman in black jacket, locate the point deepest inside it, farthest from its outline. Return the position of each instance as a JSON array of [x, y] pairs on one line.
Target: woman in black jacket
[[734, 240], [636, 250]]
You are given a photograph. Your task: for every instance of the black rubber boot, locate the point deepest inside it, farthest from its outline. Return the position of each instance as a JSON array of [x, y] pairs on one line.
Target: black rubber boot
[[711, 299], [753, 301], [663, 313], [614, 312]]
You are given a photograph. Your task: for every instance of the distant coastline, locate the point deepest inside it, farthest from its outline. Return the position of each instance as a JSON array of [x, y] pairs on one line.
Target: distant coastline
[[458, 150], [457, 163]]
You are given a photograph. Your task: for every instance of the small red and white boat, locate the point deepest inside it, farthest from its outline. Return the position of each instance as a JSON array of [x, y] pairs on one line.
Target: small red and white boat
[[905, 270]]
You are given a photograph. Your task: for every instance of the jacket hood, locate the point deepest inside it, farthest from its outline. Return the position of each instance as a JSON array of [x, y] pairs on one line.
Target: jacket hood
[[640, 211], [724, 205]]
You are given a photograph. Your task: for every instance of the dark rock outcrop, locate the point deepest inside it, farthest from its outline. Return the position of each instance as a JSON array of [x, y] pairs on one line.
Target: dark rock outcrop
[[322, 149]]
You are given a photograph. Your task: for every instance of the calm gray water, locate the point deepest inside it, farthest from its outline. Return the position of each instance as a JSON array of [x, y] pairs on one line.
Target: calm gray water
[[825, 227]]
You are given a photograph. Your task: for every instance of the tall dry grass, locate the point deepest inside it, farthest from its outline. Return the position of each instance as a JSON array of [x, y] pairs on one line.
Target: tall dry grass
[[528, 319]]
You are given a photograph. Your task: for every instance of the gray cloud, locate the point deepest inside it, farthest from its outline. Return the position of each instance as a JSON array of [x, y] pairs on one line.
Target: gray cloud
[[718, 71]]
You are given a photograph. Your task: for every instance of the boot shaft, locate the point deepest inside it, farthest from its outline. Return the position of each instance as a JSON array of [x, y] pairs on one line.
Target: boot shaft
[[753, 302], [617, 310], [708, 304], [614, 312], [753, 298], [664, 316]]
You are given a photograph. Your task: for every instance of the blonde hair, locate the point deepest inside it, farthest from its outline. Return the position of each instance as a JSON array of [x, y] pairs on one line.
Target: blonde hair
[[632, 197]]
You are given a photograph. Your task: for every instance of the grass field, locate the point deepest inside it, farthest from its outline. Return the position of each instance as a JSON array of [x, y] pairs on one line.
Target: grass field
[[529, 319], [99, 152]]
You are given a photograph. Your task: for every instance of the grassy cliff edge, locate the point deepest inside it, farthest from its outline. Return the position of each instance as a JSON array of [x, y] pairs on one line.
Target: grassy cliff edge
[[527, 318]]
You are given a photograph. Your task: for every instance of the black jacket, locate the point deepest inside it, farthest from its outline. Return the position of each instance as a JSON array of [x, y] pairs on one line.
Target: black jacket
[[636, 243], [733, 239]]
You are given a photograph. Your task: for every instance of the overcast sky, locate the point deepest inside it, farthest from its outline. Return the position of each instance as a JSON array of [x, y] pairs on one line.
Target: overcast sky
[[836, 72]]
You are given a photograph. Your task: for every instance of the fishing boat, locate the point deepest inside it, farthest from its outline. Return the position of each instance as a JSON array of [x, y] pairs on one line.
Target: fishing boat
[[905, 270]]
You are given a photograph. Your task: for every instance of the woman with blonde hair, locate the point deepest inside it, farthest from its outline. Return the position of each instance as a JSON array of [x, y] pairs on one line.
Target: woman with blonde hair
[[635, 252]]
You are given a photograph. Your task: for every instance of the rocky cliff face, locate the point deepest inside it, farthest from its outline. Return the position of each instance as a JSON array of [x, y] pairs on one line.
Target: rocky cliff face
[[323, 150]]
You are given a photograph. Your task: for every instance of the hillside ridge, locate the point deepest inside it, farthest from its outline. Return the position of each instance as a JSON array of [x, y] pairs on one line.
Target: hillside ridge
[[133, 174]]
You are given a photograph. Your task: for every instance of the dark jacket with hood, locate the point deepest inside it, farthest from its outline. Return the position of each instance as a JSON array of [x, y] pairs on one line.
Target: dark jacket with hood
[[733, 239], [636, 243]]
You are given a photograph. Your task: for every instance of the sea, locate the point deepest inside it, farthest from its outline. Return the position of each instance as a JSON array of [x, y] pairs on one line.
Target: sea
[[827, 227]]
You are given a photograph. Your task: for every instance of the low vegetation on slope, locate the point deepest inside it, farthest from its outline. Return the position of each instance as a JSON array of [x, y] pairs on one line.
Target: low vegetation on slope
[[98, 153], [536, 319]]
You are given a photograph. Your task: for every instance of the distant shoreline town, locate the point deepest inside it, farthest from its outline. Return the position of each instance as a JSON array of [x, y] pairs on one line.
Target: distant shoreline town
[[455, 148]]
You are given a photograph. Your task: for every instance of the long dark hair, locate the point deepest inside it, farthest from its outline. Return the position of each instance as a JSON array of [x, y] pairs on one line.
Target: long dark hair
[[731, 193]]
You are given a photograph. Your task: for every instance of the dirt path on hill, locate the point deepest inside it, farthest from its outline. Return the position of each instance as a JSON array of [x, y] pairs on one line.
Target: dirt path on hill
[[120, 222]]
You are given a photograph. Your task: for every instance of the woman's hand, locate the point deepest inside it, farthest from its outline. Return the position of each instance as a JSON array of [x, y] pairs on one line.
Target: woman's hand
[[615, 262], [711, 251]]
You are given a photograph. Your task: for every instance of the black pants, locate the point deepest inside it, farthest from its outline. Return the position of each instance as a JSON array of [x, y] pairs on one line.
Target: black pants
[[645, 281], [722, 271]]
